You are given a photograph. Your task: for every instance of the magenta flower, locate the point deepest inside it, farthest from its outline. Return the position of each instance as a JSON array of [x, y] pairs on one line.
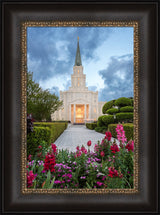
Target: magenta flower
[[121, 133], [82, 177], [57, 182], [99, 183]]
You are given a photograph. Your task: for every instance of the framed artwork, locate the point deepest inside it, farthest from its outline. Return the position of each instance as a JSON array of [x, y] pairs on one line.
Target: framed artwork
[[47, 54]]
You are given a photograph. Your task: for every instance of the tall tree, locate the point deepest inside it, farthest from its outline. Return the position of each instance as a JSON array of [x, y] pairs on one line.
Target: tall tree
[[41, 103]]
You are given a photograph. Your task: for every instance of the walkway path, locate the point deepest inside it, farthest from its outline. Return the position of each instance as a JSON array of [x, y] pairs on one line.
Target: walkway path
[[78, 135]]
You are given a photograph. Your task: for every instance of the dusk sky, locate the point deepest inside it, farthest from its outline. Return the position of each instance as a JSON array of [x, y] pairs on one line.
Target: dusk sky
[[106, 54]]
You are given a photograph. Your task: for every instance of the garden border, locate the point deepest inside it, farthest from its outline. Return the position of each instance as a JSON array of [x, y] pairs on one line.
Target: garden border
[[13, 15]]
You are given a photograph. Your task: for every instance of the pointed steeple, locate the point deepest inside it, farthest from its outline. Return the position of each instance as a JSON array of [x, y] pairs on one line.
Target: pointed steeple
[[78, 55]]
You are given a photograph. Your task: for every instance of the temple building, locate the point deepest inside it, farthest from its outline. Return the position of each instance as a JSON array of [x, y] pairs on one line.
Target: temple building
[[80, 105]]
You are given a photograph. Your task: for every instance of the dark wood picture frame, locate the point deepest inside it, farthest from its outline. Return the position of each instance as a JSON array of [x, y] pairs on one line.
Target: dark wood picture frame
[[13, 15]]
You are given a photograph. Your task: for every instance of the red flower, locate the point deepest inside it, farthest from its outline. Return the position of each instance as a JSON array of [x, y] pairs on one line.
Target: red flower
[[49, 162], [77, 148], [39, 147], [114, 148], [102, 141], [108, 135], [54, 147], [130, 146], [29, 157], [83, 149], [89, 143], [121, 175], [30, 178], [78, 154], [112, 172], [96, 148], [39, 154], [102, 154]]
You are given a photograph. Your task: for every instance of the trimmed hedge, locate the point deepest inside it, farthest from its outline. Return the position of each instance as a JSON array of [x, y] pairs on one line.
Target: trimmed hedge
[[60, 121], [102, 129], [91, 126], [120, 117], [100, 122], [126, 109], [128, 128], [108, 119], [56, 128], [107, 106], [123, 101], [35, 138], [132, 101], [112, 111]]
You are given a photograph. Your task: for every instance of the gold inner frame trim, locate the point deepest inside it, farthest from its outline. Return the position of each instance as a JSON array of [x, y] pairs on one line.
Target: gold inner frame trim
[[24, 26]]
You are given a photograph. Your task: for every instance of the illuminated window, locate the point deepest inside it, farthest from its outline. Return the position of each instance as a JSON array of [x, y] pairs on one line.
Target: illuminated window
[[78, 84], [78, 71]]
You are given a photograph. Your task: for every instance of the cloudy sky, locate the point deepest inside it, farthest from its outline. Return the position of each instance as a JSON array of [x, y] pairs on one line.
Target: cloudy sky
[[106, 54]]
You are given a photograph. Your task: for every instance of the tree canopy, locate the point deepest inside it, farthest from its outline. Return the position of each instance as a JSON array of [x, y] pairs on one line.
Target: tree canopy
[[41, 103]]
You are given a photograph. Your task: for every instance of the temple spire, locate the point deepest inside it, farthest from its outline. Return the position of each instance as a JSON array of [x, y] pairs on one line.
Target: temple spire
[[78, 55]]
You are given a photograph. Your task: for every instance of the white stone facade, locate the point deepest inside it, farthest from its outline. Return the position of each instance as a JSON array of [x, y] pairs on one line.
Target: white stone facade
[[79, 104]]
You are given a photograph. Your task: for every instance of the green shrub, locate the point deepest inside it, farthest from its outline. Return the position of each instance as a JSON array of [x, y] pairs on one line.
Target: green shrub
[[132, 101], [123, 101], [108, 119], [124, 117], [128, 128], [112, 111], [60, 121], [102, 129], [107, 106], [56, 128], [91, 126], [100, 122], [126, 109], [35, 138]]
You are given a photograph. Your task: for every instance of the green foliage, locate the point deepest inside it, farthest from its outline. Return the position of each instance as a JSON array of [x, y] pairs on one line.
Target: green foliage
[[112, 111], [132, 102], [55, 128], [124, 117], [107, 106], [36, 138], [60, 121], [115, 182], [102, 129], [48, 183], [100, 122], [41, 103], [128, 128], [126, 109], [91, 126], [123, 101], [108, 119]]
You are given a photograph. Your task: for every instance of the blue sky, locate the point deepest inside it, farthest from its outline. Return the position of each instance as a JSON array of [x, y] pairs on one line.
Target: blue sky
[[106, 53]]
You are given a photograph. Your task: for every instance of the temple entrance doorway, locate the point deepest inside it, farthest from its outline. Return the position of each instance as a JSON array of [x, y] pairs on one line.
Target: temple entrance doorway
[[79, 114]]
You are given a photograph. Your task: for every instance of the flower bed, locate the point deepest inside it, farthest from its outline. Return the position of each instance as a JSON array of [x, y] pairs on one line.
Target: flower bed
[[108, 166]]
